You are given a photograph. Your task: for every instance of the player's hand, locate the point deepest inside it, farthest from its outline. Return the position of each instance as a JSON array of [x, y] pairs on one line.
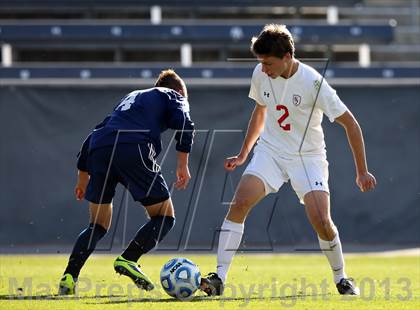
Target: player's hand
[[232, 162], [366, 181], [82, 182], [182, 177]]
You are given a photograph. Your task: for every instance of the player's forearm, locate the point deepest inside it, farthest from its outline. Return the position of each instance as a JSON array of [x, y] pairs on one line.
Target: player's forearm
[[82, 178], [255, 127], [185, 133], [355, 138], [182, 159], [250, 139]]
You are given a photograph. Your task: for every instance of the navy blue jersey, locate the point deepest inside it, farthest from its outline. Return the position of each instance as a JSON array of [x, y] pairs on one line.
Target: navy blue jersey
[[141, 117]]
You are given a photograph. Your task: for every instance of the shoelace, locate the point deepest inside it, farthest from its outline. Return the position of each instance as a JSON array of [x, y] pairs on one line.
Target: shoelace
[[212, 275]]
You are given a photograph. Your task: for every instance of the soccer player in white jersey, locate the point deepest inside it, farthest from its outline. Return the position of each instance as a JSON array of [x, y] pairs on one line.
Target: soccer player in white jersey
[[291, 98]]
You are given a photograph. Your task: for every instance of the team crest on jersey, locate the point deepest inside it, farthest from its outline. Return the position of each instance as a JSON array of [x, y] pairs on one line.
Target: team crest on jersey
[[317, 84], [296, 100]]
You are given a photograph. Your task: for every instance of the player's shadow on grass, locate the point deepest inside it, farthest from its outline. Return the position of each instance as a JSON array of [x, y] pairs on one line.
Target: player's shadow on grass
[[209, 299], [18, 297], [122, 299]]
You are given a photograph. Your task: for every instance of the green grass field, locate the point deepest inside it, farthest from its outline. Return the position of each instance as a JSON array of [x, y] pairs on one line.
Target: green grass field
[[266, 281]]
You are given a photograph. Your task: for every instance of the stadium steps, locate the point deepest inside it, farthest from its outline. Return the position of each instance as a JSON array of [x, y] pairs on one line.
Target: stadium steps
[[402, 53], [404, 15]]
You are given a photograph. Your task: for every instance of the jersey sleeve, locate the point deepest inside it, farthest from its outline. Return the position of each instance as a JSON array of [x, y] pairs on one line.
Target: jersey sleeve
[[254, 92], [84, 150], [179, 119], [328, 100], [83, 154]]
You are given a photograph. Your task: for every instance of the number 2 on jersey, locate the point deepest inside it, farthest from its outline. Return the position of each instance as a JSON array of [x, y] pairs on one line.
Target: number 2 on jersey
[[282, 118]]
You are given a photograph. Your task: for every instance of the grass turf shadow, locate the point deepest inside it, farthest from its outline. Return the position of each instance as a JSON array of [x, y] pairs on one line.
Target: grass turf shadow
[[208, 299]]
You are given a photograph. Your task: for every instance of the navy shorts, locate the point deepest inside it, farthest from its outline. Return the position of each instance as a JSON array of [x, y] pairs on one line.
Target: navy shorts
[[132, 165]]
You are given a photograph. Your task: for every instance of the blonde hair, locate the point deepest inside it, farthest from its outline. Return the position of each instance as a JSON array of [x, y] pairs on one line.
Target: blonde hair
[[169, 79]]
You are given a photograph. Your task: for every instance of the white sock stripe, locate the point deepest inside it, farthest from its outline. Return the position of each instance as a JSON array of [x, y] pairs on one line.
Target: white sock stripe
[[232, 226], [329, 245]]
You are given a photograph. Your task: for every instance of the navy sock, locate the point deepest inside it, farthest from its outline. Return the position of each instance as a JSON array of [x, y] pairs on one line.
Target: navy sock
[[148, 236], [84, 246]]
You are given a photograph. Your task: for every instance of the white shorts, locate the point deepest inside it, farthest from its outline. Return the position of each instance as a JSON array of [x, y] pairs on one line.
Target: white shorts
[[306, 173]]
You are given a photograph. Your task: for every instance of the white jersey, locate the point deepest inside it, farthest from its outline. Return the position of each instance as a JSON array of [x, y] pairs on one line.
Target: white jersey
[[290, 103]]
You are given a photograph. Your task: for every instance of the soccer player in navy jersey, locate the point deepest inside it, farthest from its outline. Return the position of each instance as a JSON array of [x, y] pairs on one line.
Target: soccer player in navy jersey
[[123, 149]]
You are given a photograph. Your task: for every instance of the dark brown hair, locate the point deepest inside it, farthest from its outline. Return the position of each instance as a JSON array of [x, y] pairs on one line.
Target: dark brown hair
[[168, 78], [273, 40]]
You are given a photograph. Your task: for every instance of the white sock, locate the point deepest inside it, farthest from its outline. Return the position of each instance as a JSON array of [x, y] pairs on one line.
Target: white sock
[[332, 249], [229, 241]]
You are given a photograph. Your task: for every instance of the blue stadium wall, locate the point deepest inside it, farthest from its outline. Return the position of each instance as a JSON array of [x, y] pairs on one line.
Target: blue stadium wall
[[43, 128]]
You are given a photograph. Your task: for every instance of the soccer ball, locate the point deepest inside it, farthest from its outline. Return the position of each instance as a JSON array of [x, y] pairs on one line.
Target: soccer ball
[[180, 278]]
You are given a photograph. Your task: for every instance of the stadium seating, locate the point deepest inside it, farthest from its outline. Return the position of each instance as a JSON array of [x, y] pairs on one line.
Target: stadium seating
[[135, 72], [53, 33], [31, 4], [123, 39]]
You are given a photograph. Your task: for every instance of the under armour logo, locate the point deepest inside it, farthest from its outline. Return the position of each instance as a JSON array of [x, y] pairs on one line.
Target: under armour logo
[[266, 94], [318, 183]]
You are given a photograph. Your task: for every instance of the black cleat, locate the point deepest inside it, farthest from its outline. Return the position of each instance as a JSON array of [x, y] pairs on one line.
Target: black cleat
[[212, 285], [346, 287]]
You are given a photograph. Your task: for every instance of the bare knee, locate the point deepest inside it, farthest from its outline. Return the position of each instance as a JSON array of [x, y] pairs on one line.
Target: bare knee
[[250, 190], [164, 208], [317, 208]]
